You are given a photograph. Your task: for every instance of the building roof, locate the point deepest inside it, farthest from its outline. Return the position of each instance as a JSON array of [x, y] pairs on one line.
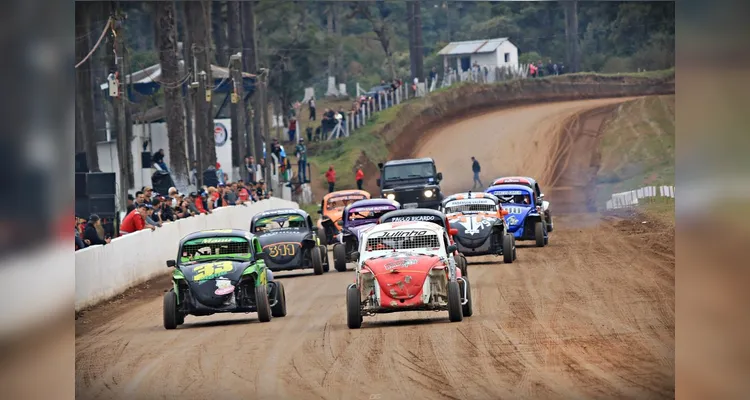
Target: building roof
[[472, 47]]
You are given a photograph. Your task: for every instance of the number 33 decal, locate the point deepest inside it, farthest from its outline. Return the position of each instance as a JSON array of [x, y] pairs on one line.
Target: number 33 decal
[[281, 250]]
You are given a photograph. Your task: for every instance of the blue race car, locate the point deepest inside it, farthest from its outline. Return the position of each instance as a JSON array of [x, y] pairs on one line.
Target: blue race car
[[525, 219]]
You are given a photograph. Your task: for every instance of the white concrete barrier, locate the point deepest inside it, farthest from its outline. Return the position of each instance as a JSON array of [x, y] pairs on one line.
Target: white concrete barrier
[[103, 272]]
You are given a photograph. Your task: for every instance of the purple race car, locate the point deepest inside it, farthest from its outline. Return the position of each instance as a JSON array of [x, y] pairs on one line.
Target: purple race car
[[357, 218]]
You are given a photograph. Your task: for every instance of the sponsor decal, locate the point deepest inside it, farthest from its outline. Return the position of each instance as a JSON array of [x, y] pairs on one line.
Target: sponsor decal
[[223, 287], [220, 134], [400, 263], [512, 220], [282, 250], [400, 234], [509, 192], [347, 197], [514, 210], [372, 208], [218, 240], [428, 218], [212, 271], [473, 224]]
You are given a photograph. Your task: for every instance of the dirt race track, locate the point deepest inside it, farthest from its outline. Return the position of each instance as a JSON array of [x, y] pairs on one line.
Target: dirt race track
[[589, 316]]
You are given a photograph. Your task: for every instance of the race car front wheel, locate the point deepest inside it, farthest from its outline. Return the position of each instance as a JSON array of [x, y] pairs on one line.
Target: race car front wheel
[[317, 261], [279, 309], [172, 316], [322, 236], [508, 248], [353, 308], [263, 307], [339, 257], [455, 309], [468, 309], [539, 233]]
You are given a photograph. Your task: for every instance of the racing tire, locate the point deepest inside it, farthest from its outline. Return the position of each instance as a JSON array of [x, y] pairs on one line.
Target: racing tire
[[322, 236], [539, 233], [263, 307], [515, 255], [463, 265], [455, 309], [317, 261], [339, 257], [508, 249], [546, 240], [279, 310], [550, 225], [326, 261], [467, 308], [353, 308], [171, 314]]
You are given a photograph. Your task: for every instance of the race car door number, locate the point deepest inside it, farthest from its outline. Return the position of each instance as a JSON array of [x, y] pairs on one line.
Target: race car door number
[[283, 250]]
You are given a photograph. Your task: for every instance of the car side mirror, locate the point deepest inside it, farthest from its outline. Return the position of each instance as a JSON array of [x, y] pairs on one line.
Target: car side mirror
[[264, 256], [380, 165], [453, 231], [504, 212], [171, 263], [355, 255], [440, 176], [541, 196], [377, 181], [452, 249]]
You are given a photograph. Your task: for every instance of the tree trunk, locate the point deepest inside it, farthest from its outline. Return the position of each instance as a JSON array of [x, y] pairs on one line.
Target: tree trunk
[[412, 39], [218, 28], [339, 68], [418, 44], [329, 25], [250, 64], [85, 128], [173, 106], [238, 114], [198, 13], [187, 59], [576, 56]]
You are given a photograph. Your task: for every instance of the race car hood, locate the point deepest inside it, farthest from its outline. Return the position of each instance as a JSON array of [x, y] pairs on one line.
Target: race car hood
[[282, 236], [401, 275], [473, 229], [211, 283], [517, 213]]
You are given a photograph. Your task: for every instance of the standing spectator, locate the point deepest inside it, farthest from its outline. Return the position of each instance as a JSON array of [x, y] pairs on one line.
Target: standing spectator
[[318, 133], [359, 177], [550, 68], [433, 76], [309, 132], [192, 207], [262, 168], [301, 152], [130, 205], [331, 178], [135, 220], [486, 74], [164, 211], [476, 169], [250, 168], [555, 69], [230, 194], [561, 68], [343, 120], [194, 173], [91, 235], [243, 195], [292, 129], [150, 218], [311, 104], [158, 159], [219, 173], [200, 203], [172, 193], [540, 69], [532, 70]]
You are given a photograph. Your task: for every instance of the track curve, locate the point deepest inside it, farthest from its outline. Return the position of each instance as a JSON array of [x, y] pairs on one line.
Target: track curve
[[591, 315]]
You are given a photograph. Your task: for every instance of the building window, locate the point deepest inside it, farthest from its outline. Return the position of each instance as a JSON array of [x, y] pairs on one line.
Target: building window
[[507, 57]]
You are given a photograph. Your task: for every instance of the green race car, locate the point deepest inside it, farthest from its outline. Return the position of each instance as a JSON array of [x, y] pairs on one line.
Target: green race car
[[219, 271]]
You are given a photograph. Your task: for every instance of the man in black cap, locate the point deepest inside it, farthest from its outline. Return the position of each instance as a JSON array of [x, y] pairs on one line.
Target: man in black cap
[[91, 234]]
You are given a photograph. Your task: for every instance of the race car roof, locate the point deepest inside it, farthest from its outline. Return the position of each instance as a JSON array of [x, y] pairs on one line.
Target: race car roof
[[372, 203], [281, 211], [217, 233], [409, 161], [410, 225], [414, 214], [509, 187], [470, 195], [514, 179], [344, 193]]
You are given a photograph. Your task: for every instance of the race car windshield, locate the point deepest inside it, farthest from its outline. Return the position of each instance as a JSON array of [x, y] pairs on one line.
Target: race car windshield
[[215, 248], [469, 208], [359, 216], [408, 171], [513, 198], [337, 203], [402, 240], [270, 223]]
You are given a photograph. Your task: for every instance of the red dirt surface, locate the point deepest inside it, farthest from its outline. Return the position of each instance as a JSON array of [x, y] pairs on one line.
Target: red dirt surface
[[590, 315]]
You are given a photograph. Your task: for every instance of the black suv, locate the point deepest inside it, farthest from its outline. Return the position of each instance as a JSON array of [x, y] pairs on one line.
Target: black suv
[[414, 183]]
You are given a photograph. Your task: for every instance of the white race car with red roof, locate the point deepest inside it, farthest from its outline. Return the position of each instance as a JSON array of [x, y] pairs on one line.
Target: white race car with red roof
[[407, 266]]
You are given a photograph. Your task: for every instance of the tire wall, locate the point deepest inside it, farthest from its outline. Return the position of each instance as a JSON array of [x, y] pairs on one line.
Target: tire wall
[[103, 272]]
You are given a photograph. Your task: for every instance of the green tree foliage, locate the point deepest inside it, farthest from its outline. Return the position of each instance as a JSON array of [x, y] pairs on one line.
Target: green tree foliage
[[294, 42]]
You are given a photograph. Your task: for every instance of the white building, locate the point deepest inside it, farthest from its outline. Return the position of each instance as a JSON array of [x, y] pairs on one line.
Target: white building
[[489, 52]]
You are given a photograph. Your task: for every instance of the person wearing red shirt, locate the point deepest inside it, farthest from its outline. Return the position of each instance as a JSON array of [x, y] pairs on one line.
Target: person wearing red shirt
[[135, 220], [331, 177], [359, 177]]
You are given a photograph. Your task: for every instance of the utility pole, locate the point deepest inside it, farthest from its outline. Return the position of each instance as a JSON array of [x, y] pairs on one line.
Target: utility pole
[[123, 148], [238, 109], [266, 125], [200, 123]]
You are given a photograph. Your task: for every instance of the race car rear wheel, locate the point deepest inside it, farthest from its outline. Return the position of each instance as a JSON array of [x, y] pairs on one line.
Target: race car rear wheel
[[463, 265], [539, 233], [322, 236], [468, 309], [171, 314], [455, 310], [514, 248], [263, 307], [326, 261], [550, 225], [279, 309], [317, 261], [339, 257], [508, 248], [353, 308]]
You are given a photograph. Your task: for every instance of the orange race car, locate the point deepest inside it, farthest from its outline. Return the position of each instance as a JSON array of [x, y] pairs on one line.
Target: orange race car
[[331, 209]]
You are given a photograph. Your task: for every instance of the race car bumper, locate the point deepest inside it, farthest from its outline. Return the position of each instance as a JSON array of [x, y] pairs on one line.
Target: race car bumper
[[483, 249]]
